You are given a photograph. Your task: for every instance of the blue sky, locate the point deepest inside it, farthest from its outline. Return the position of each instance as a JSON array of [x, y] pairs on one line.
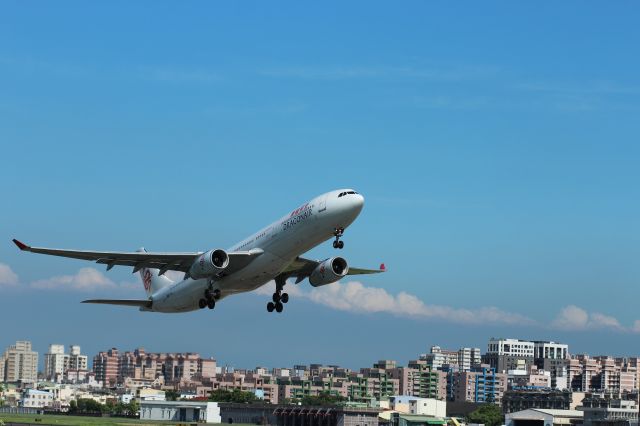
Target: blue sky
[[496, 145]]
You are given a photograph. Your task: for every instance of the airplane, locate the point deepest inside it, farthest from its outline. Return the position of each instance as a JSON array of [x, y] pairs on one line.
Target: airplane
[[273, 253]]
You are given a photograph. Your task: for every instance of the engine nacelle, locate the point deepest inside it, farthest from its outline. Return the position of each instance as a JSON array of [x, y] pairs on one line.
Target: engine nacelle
[[329, 271], [209, 264]]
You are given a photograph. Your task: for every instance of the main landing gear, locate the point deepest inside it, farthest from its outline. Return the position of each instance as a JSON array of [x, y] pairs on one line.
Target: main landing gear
[[279, 298], [337, 232], [209, 300]]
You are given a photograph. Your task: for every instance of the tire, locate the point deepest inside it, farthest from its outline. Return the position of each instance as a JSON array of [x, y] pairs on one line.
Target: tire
[[270, 306], [202, 303], [284, 298], [276, 297], [340, 244], [211, 303], [279, 307], [335, 244]]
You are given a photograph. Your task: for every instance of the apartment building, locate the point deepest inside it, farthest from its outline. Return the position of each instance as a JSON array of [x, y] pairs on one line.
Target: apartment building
[[509, 354], [113, 367], [482, 385], [19, 363], [464, 359], [55, 362]]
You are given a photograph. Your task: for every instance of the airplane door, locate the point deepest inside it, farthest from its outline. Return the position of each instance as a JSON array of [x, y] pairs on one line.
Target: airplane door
[[323, 204]]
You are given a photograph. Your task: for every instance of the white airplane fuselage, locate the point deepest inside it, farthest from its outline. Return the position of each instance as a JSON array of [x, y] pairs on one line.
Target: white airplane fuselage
[[281, 242]]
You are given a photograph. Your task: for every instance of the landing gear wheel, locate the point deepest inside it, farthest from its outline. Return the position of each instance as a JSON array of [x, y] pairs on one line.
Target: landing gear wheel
[[211, 303], [275, 297], [208, 294], [270, 306], [279, 307], [202, 303], [337, 232], [284, 298]]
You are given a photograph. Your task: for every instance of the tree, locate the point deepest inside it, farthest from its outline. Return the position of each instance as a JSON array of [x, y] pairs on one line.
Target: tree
[[323, 398], [235, 395], [172, 395], [86, 406], [487, 414], [133, 407]]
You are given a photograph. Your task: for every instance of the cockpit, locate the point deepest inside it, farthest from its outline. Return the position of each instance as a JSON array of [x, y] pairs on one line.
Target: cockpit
[[342, 194]]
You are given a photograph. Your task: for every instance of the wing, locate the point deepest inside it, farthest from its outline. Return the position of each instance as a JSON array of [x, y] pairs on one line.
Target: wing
[[162, 261], [301, 268], [122, 302]]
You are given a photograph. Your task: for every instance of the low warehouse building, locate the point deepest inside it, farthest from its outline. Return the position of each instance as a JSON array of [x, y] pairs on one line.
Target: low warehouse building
[[542, 417], [180, 411]]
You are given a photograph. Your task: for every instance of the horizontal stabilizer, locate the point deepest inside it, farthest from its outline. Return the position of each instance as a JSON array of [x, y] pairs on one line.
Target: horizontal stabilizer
[[122, 302]]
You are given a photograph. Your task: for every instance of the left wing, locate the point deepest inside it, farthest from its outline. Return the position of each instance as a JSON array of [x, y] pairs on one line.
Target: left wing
[[162, 261], [301, 268], [121, 302]]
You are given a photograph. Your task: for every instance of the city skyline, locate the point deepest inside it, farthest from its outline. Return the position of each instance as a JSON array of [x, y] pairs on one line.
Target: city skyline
[[483, 349], [495, 148]]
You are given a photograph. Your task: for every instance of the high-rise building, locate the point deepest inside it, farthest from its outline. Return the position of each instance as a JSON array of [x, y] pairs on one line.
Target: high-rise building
[[554, 358], [20, 363], [77, 361], [106, 367], [464, 359], [55, 362], [468, 358], [481, 385], [509, 354]]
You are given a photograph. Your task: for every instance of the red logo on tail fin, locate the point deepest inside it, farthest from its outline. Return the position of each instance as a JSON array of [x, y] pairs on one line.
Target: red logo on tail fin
[[146, 279]]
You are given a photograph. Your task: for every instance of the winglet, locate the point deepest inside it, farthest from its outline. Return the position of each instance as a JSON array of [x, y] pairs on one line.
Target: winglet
[[22, 246], [382, 267]]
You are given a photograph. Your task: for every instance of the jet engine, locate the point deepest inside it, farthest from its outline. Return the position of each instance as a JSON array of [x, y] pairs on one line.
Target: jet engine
[[209, 264], [329, 271]]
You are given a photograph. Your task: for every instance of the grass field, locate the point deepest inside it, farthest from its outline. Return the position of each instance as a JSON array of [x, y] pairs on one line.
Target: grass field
[[49, 419]]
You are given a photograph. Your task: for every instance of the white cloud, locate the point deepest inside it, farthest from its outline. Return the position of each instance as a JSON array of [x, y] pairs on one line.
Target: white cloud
[[636, 326], [572, 318], [355, 297], [604, 321], [8, 278], [86, 279]]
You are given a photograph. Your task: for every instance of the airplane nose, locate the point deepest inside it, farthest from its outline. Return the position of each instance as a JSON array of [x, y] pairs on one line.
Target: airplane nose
[[357, 201]]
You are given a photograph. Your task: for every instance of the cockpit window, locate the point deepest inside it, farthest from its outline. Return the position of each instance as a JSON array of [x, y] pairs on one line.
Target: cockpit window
[[342, 194]]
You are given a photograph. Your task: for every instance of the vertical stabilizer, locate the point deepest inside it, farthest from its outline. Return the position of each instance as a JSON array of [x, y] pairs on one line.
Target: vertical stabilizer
[[151, 280]]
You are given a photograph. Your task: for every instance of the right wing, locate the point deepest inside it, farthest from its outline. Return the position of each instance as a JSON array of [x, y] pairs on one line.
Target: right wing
[[301, 268], [162, 261], [122, 302]]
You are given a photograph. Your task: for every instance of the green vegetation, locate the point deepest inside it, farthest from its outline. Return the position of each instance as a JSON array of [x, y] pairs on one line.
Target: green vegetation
[[488, 414], [89, 406], [236, 395], [171, 395], [62, 420], [323, 399]]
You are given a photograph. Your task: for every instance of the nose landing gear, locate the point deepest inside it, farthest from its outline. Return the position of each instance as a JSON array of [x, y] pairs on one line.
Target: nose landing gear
[[337, 232], [279, 298]]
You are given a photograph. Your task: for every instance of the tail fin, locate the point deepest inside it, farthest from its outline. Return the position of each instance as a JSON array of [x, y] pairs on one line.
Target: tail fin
[[151, 280]]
